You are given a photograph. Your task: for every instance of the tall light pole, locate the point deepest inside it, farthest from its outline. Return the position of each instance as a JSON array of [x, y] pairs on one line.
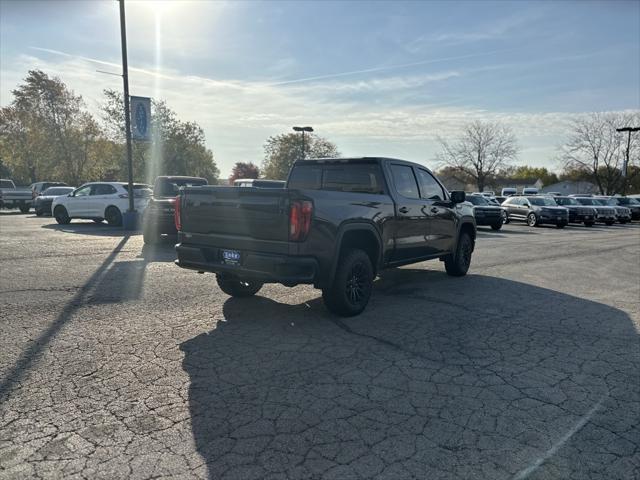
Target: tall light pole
[[129, 220], [303, 129], [625, 165]]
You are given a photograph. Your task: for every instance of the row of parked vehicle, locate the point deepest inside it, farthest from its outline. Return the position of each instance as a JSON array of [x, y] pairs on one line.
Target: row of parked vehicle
[[554, 209], [334, 224], [107, 201]]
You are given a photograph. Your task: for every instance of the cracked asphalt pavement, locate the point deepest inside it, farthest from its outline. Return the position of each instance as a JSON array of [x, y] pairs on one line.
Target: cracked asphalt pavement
[[115, 363]]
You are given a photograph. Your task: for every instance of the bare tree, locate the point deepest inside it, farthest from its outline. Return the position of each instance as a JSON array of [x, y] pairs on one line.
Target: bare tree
[[595, 148], [481, 150]]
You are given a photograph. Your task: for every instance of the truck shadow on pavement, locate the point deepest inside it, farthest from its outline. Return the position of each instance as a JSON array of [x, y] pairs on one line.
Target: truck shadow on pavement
[[478, 377]]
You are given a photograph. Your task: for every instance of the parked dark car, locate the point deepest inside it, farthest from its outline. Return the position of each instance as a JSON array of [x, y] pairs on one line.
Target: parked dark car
[[485, 212], [42, 203], [632, 204], [335, 225], [536, 210], [578, 213], [158, 219], [623, 213], [605, 214], [39, 187]]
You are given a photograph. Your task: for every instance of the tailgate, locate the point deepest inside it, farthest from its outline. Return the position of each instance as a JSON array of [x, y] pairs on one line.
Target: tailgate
[[235, 216]]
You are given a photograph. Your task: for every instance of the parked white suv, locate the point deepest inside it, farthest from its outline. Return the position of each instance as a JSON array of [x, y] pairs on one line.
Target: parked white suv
[[99, 201]]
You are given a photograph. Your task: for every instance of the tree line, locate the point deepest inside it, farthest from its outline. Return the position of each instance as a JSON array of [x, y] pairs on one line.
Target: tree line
[[47, 133]]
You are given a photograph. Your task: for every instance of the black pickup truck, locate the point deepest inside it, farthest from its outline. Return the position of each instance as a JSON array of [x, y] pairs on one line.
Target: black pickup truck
[[158, 219], [335, 225]]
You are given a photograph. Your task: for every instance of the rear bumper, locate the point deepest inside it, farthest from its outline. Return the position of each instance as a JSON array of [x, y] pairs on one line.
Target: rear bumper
[[264, 267], [161, 224]]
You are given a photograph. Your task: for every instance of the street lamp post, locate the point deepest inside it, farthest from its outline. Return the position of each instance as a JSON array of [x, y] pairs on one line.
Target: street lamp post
[[129, 218], [303, 129], [625, 165]]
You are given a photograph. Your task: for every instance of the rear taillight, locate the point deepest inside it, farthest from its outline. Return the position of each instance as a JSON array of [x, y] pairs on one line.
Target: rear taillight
[[176, 214], [300, 220]]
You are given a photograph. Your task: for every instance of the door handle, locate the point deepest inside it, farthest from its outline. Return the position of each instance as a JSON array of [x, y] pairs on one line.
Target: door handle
[[434, 210], [403, 210]]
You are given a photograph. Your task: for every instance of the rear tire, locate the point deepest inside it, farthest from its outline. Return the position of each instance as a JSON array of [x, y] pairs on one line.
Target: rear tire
[[237, 287], [458, 265], [497, 226], [561, 225], [589, 224], [609, 223], [61, 215], [352, 284], [113, 216], [39, 212], [25, 208]]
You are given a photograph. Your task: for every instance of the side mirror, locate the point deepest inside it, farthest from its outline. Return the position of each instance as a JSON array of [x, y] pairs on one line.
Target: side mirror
[[458, 196]]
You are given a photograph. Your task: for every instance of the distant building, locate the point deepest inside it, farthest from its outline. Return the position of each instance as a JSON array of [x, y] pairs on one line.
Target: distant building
[[570, 187]]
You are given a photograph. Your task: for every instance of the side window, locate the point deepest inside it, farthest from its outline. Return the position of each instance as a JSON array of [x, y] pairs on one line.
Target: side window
[[103, 189], [429, 187], [83, 191], [405, 181]]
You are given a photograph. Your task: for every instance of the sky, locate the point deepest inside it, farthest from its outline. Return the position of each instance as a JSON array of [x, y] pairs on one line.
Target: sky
[[376, 78]]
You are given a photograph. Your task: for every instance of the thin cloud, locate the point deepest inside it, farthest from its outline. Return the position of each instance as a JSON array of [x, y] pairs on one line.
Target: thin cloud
[[386, 68]]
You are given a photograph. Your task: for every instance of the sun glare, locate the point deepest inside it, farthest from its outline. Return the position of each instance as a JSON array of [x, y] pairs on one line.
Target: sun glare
[[159, 7]]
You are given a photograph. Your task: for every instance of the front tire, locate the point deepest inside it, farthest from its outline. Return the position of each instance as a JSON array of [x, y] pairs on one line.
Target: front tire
[[458, 265], [113, 216], [25, 208], [39, 212], [61, 215], [609, 223], [589, 224], [236, 287], [561, 225], [532, 220], [352, 285], [497, 226]]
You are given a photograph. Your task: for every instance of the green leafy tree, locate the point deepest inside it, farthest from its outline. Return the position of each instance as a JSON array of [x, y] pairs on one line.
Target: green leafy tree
[[281, 151], [177, 147], [46, 132], [244, 170], [480, 151]]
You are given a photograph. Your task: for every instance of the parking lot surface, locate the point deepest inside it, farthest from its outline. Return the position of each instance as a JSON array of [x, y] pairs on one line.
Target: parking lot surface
[[115, 363]]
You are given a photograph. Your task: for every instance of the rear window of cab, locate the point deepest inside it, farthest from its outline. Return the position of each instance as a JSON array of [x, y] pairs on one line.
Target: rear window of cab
[[355, 178]]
